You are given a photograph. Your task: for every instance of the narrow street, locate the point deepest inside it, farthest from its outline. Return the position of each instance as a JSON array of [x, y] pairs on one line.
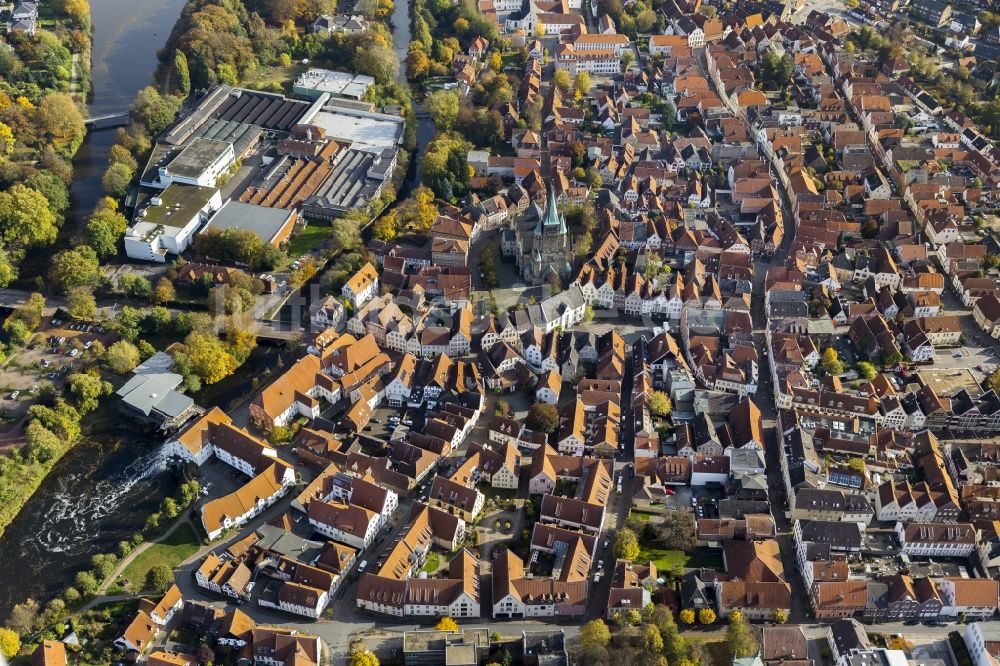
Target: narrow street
[[764, 399], [620, 504]]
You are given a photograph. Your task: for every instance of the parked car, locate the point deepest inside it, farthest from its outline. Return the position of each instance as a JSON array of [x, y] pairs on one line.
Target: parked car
[[13, 395]]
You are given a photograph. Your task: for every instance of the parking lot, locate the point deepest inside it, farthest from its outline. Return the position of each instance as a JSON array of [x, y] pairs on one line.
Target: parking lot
[[56, 350]]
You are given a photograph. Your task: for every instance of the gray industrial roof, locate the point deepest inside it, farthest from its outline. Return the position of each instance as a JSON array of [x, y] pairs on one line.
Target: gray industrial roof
[[197, 156], [154, 392], [267, 110], [263, 221], [241, 135], [348, 185]]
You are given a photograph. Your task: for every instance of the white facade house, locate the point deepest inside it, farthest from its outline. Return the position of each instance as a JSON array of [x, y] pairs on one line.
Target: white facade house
[[200, 163], [971, 597], [346, 523], [247, 502], [167, 223], [464, 605], [936, 539], [362, 286], [328, 313], [983, 642]]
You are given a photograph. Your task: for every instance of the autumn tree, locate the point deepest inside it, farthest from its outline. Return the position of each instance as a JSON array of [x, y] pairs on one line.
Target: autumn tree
[[80, 303], [687, 616], [418, 212], [706, 616], [206, 358], [60, 121], [659, 404], [581, 84], [595, 634], [25, 217], [364, 658], [122, 357], [417, 64], [740, 637], [652, 641], [446, 624], [164, 291], [104, 227], [385, 227], [830, 362], [867, 370], [7, 140], [182, 72], [562, 81], [900, 643], [443, 107], [626, 544], [780, 616], [10, 642], [240, 342], [74, 267], [543, 417]]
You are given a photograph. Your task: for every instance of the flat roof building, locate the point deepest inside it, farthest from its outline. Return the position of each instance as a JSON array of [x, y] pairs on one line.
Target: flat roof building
[[166, 222], [355, 181], [271, 225], [201, 162], [312, 83], [363, 130]]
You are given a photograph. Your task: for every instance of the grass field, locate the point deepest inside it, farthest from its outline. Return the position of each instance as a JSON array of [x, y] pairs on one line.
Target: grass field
[[269, 77], [308, 238], [667, 559], [178, 547], [432, 563]]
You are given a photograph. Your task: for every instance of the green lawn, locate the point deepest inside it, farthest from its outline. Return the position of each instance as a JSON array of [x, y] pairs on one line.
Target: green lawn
[[640, 515], [432, 563], [667, 559], [308, 238], [178, 547]]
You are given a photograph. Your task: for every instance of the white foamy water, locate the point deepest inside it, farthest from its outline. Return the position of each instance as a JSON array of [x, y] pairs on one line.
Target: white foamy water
[[70, 520]]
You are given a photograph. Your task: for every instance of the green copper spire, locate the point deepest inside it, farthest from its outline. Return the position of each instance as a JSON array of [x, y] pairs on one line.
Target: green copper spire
[[552, 218]]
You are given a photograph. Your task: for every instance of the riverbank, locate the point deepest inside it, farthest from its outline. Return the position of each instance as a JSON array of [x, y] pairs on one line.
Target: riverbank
[[116, 27], [20, 478]]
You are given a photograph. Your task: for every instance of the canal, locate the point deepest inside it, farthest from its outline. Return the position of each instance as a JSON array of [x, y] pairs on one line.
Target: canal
[[101, 491]]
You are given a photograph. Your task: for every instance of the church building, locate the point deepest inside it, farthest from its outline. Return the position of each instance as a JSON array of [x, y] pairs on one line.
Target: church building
[[543, 249]]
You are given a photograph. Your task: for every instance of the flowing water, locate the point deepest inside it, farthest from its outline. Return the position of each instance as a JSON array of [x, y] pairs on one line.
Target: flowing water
[[102, 490]]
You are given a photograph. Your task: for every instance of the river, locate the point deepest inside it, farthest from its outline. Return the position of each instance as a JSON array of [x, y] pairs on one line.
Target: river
[[102, 490], [401, 36], [127, 35]]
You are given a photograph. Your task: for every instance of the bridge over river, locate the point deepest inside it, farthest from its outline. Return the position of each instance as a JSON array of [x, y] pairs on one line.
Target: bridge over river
[[107, 120]]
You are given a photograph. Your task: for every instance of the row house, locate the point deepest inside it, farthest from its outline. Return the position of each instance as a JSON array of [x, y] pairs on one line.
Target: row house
[[936, 539]]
